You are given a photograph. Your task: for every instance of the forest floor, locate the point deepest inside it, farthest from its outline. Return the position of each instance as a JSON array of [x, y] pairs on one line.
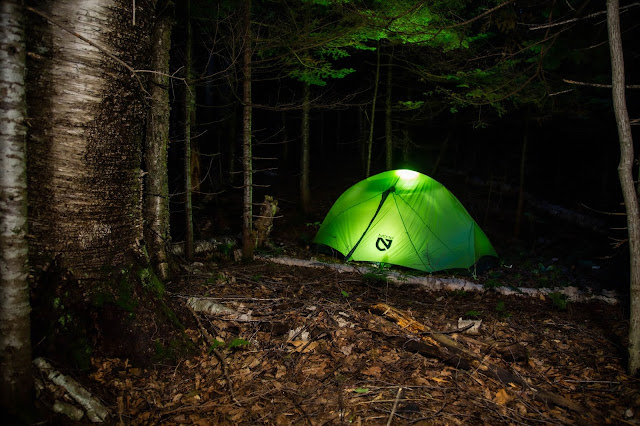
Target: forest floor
[[304, 346], [311, 351]]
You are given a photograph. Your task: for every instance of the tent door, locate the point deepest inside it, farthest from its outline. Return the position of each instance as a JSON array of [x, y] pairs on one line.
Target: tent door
[[385, 194]]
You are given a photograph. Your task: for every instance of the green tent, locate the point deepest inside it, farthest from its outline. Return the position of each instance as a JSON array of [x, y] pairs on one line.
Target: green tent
[[404, 218]]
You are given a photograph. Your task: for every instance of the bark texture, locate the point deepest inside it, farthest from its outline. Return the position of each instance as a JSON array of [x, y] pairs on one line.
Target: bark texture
[[156, 207], [247, 160], [388, 124], [373, 115], [189, 119], [625, 173], [305, 191], [86, 111], [15, 343]]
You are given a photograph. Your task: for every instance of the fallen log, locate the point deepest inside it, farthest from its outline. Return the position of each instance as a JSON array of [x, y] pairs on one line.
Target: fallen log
[[436, 283], [438, 345]]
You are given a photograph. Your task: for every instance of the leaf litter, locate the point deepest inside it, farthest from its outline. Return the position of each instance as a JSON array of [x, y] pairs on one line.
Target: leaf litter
[[312, 352]]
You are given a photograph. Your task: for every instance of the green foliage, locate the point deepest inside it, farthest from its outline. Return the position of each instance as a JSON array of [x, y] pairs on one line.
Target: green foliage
[[409, 105], [560, 301], [473, 314], [236, 343], [501, 309], [344, 293]]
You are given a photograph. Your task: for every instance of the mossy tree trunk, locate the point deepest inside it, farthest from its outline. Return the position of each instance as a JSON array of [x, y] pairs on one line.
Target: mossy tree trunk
[[15, 338], [156, 207], [625, 173], [86, 112]]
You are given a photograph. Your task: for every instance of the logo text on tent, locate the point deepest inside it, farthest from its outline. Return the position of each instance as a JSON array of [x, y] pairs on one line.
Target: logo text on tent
[[383, 242]]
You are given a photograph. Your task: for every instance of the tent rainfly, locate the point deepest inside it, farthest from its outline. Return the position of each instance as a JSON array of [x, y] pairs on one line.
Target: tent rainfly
[[404, 218]]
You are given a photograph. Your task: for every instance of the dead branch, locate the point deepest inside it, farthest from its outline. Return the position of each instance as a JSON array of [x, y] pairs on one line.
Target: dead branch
[[604, 86], [453, 353], [211, 343]]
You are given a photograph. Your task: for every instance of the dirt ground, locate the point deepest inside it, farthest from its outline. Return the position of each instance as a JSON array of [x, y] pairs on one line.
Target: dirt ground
[[308, 350]]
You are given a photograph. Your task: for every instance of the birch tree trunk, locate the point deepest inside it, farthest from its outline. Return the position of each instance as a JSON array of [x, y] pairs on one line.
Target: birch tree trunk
[[86, 109], [247, 160], [15, 338], [625, 173], [156, 207], [305, 192]]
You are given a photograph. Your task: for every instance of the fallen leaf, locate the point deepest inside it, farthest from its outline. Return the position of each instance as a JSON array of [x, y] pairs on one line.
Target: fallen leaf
[[374, 370], [502, 397]]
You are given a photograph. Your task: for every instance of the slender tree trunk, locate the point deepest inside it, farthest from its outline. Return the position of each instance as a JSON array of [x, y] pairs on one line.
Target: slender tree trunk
[[248, 242], [189, 118], [86, 110], [523, 163], [305, 192], [15, 338], [441, 153], [284, 153], [156, 208], [373, 115], [406, 146], [388, 124], [625, 172]]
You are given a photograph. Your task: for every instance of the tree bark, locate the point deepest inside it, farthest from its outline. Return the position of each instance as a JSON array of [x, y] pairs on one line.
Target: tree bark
[[523, 162], [15, 338], [189, 118], [388, 124], [373, 115], [86, 110], [247, 214], [156, 208], [305, 192], [625, 173]]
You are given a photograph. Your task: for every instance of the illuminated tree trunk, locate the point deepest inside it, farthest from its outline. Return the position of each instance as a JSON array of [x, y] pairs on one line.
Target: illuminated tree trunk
[[373, 116], [247, 213], [625, 172], [388, 124], [156, 207], [305, 192], [86, 110], [15, 338], [189, 119]]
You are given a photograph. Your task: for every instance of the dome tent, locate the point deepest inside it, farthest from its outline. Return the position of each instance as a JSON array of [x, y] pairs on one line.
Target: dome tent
[[404, 218]]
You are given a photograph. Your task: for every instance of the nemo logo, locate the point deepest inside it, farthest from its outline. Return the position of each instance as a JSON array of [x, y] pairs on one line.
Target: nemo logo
[[383, 244]]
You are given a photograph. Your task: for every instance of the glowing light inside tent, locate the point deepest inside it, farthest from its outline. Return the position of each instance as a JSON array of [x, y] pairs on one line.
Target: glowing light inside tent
[[407, 174]]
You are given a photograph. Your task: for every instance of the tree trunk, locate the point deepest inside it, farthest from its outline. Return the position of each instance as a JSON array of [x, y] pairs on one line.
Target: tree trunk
[[388, 124], [625, 172], [523, 163], [373, 115], [156, 207], [305, 192], [86, 110], [15, 338], [189, 118], [247, 161]]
